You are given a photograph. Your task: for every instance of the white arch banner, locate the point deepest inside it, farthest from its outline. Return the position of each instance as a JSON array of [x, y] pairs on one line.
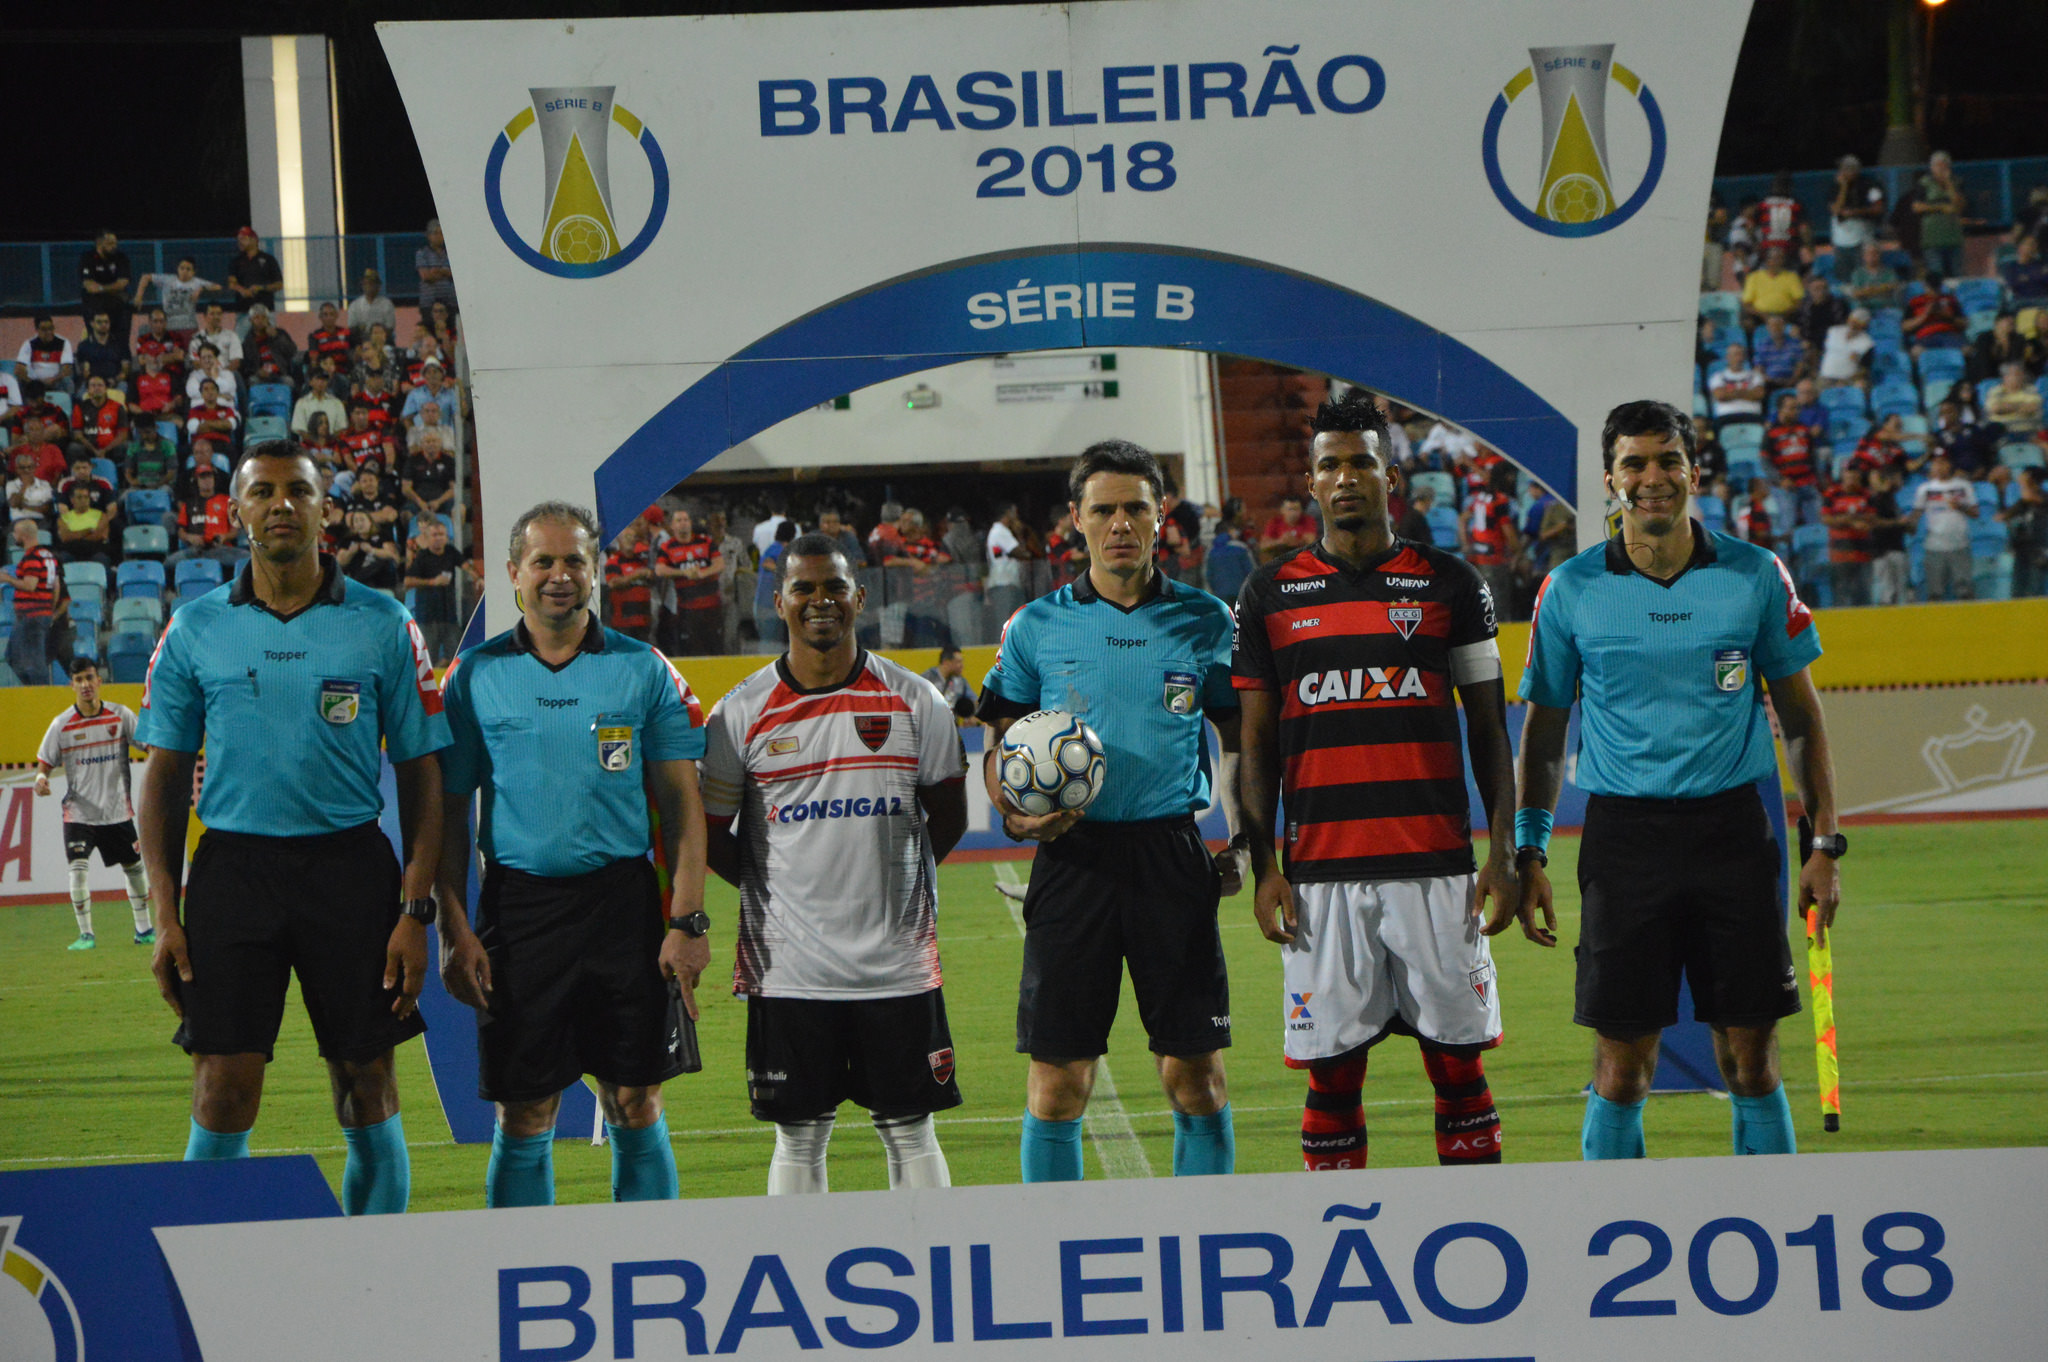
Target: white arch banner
[[674, 233]]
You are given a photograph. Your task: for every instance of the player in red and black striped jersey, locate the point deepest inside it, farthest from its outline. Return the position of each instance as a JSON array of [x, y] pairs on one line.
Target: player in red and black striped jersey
[[692, 565], [1352, 657], [329, 340], [1789, 443]]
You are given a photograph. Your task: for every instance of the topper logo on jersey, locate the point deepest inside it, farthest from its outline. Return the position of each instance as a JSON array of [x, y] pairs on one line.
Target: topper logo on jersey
[[37, 1315], [579, 231], [1576, 195], [1361, 683]]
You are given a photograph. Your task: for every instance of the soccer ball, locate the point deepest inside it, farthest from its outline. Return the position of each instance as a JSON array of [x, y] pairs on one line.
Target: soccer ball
[[580, 240], [1576, 198], [1051, 761]]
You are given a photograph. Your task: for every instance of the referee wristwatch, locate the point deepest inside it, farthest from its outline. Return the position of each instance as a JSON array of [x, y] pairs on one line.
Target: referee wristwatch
[[1834, 846], [693, 926], [421, 911]]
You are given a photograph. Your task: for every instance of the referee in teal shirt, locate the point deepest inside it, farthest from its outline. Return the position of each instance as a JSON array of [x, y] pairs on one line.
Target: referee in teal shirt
[[567, 729], [1145, 661], [293, 677], [1668, 637]]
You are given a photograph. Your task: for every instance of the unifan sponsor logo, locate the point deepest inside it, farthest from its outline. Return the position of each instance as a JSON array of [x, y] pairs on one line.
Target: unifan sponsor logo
[[1361, 683]]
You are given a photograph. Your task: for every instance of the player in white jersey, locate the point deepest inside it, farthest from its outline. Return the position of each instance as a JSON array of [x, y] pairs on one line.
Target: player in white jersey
[[833, 785], [90, 741]]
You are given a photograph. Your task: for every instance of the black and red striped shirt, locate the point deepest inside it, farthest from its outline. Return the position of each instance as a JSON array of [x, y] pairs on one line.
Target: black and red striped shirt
[[1372, 755], [36, 590], [329, 344], [1790, 450], [692, 593], [102, 425]]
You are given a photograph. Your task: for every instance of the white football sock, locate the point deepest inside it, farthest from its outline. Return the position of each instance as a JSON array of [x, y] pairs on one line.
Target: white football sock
[[81, 898], [138, 895], [915, 1159], [799, 1162]]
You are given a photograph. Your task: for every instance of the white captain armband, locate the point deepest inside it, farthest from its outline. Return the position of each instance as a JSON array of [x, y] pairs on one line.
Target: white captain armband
[[1475, 662]]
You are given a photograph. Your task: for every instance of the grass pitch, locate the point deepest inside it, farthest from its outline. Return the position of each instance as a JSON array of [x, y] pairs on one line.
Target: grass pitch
[[1942, 927]]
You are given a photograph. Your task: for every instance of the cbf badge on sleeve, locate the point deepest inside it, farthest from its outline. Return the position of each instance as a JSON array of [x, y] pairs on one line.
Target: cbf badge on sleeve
[[340, 701], [614, 744], [1180, 692], [1731, 668]]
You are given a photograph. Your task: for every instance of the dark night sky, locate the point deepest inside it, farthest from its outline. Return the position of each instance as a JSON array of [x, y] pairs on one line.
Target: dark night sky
[[145, 78]]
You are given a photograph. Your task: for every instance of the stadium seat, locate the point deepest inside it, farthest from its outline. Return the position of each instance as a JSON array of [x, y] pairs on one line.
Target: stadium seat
[[138, 615], [1889, 399], [263, 428], [1977, 323], [1978, 294], [145, 541], [1843, 399], [58, 676], [1991, 577], [171, 431], [140, 577], [85, 574], [1701, 409], [104, 468], [88, 602], [86, 643], [148, 505], [1742, 439], [1740, 471], [1713, 514], [1442, 485], [2022, 455], [1946, 365], [1724, 308], [1847, 430], [1443, 527], [128, 658], [1887, 321], [60, 400], [270, 399], [1888, 364]]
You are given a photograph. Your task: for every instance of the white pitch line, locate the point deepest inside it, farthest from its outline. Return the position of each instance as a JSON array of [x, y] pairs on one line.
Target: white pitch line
[[1108, 1125]]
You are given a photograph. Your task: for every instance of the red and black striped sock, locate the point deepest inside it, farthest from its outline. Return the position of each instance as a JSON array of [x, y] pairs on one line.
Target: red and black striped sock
[[1333, 1117], [1467, 1126]]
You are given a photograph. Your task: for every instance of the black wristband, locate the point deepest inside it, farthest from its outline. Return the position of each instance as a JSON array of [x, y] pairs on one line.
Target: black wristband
[[1524, 855]]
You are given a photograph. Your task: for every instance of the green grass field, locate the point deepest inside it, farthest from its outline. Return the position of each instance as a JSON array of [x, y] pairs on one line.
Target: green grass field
[[1943, 928]]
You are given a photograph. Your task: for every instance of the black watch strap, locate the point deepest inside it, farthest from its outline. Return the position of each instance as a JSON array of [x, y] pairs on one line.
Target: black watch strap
[[1525, 855], [693, 925], [419, 910]]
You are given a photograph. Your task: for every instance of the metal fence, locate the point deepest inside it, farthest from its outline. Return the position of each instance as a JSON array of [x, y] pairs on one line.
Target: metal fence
[[1997, 190], [44, 274]]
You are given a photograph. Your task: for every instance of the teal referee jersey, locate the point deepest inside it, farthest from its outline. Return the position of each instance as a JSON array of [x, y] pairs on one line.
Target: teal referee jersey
[[292, 710], [1668, 675], [1142, 678], [559, 752]]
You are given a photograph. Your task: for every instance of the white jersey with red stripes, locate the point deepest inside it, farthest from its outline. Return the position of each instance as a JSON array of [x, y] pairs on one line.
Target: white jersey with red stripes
[[93, 755], [838, 887]]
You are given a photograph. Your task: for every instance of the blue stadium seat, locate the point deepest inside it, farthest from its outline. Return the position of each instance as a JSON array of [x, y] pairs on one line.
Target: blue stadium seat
[[270, 399], [1888, 399], [1932, 395], [1941, 364], [1724, 308], [1977, 323], [1847, 430], [58, 676], [1843, 399], [1443, 527], [1977, 294], [1742, 440], [1991, 576], [128, 658], [104, 468], [61, 400], [171, 431], [1713, 514], [85, 574], [1887, 322], [140, 577], [263, 428], [1888, 363], [2022, 455], [1443, 485], [88, 602], [145, 541], [138, 615], [148, 505]]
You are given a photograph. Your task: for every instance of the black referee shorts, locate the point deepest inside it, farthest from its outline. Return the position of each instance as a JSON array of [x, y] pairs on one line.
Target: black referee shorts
[[115, 842], [575, 983], [259, 908], [893, 1056], [1673, 886], [1106, 893]]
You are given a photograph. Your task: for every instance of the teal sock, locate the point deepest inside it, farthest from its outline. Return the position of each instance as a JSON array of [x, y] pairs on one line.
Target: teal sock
[[377, 1179], [1613, 1130], [521, 1171], [1051, 1150], [203, 1144], [643, 1162], [1204, 1144], [1763, 1125]]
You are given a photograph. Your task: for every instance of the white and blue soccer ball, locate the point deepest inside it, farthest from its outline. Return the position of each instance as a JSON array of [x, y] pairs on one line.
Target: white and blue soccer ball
[[1051, 761]]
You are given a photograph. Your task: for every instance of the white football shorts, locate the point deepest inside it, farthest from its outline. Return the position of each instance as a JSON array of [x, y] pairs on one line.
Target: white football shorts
[[1365, 954]]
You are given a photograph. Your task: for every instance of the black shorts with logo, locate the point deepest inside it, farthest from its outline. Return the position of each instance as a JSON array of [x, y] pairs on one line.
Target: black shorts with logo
[[258, 909], [1690, 886], [1106, 893], [893, 1056], [576, 986], [115, 842]]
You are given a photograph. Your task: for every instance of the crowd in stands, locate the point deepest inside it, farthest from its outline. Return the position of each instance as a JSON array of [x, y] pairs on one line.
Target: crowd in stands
[[121, 444]]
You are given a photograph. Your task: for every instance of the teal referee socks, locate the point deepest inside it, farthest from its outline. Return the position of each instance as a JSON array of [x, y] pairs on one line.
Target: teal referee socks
[[377, 1179], [1051, 1150], [203, 1144], [522, 1169], [643, 1162], [1204, 1144], [1612, 1130], [1763, 1125]]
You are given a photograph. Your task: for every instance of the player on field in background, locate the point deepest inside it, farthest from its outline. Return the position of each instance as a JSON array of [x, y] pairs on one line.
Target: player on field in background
[[567, 962], [1667, 636], [293, 678], [1144, 660], [90, 743], [833, 785], [1348, 654]]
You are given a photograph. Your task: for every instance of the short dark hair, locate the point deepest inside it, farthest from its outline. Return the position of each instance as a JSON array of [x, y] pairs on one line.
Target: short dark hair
[[813, 545], [80, 665], [1115, 456], [1647, 418], [561, 512], [188, 260], [42, 317], [785, 533], [1356, 412], [270, 449], [948, 651]]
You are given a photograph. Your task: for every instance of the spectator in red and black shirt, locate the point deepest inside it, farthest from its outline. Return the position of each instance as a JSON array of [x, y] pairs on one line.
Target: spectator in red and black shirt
[[206, 529], [1780, 221], [925, 625], [210, 415], [1934, 319], [1790, 448], [1849, 516], [35, 581], [363, 444], [81, 475], [159, 340], [629, 583], [40, 443], [329, 340], [104, 352], [1488, 535], [1883, 446], [45, 358], [254, 276], [99, 420], [376, 394], [692, 564]]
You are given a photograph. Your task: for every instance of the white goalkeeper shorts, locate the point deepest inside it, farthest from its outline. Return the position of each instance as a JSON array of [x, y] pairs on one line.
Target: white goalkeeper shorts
[[1388, 955]]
